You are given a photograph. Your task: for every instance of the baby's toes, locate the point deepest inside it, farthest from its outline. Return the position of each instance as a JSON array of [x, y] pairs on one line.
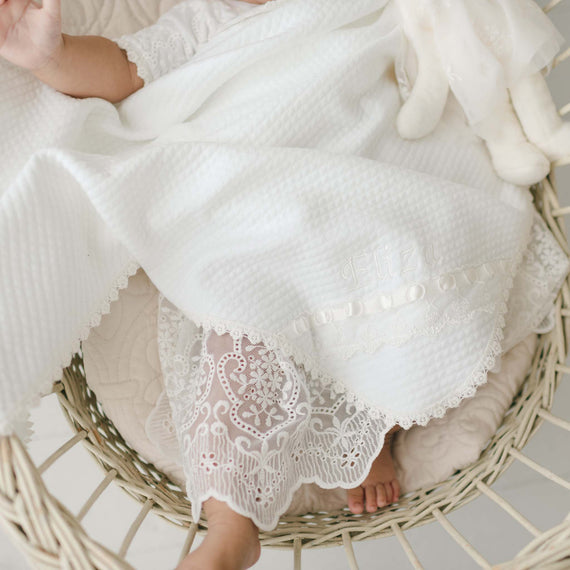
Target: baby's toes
[[389, 492], [381, 498], [371, 505], [356, 500], [396, 490]]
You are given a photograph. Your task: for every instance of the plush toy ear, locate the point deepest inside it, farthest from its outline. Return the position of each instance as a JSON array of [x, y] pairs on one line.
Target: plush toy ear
[[514, 158], [539, 117], [424, 108]]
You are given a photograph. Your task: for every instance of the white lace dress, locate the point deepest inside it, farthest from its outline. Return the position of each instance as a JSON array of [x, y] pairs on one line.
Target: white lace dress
[[250, 425]]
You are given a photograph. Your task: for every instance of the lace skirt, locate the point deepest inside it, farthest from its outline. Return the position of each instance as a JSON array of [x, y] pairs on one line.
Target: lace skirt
[[249, 426]]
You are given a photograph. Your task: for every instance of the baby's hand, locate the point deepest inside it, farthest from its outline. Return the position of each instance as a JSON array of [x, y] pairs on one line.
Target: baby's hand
[[30, 36]]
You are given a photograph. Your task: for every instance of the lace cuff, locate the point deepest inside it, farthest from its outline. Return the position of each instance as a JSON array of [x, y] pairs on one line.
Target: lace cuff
[[167, 44], [173, 39]]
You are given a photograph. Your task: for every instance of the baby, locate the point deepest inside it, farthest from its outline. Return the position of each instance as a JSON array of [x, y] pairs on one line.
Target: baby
[[93, 66]]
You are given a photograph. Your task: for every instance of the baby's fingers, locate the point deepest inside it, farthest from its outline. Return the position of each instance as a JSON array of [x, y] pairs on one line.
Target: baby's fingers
[[13, 9]]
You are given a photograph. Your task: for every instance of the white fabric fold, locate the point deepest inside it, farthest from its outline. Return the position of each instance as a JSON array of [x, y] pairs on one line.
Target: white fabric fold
[[244, 182]]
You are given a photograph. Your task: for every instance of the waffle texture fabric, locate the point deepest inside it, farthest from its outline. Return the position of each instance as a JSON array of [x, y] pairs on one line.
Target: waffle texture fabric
[[259, 181]]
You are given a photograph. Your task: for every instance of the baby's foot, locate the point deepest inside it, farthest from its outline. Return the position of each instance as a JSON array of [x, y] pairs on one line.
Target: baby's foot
[[380, 488], [232, 542]]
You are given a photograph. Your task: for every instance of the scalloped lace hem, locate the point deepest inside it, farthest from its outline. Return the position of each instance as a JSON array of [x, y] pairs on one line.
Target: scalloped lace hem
[[209, 476], [253, 437], [277, 341]]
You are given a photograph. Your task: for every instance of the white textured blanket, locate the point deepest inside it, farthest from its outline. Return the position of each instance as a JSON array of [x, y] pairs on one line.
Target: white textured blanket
[[264, 190], [122, 366]]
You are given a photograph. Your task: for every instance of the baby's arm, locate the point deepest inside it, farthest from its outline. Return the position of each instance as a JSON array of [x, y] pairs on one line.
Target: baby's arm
[[90, 66], [80, 66]]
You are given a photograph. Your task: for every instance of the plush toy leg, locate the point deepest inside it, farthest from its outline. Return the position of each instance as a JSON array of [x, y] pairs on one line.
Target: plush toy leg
[[539, 117], [514, 158], [421, 113]]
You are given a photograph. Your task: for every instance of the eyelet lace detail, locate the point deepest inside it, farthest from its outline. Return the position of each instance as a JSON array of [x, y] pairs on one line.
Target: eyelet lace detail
[[167, 44], [250, 425], [174, 38], [250, 420], [536, 285], [158, 56]]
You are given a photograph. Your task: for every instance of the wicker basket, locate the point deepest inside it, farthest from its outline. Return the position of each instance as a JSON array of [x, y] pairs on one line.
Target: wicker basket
[[52, 537]]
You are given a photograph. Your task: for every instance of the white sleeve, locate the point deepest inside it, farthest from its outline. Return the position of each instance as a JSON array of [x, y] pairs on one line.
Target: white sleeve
[[172, 40], [167, 44]]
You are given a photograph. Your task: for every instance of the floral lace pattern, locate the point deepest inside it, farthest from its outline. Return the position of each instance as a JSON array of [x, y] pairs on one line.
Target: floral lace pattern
[[164, 46], [174, 38], [251, 426], [542, 272]]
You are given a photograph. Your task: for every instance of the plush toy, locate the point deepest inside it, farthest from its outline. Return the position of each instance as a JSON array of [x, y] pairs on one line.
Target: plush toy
[[490, 54]]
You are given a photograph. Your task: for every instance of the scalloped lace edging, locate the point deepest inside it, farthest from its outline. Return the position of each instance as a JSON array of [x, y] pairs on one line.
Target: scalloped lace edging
[[248, 425], [275, 341], [18, 421]]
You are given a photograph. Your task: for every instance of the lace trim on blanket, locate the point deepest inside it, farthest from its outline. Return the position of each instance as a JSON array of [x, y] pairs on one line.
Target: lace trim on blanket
[[262, 413], [249, 423], [274, 341], [542, 273], [437, 303], [18, 421]]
